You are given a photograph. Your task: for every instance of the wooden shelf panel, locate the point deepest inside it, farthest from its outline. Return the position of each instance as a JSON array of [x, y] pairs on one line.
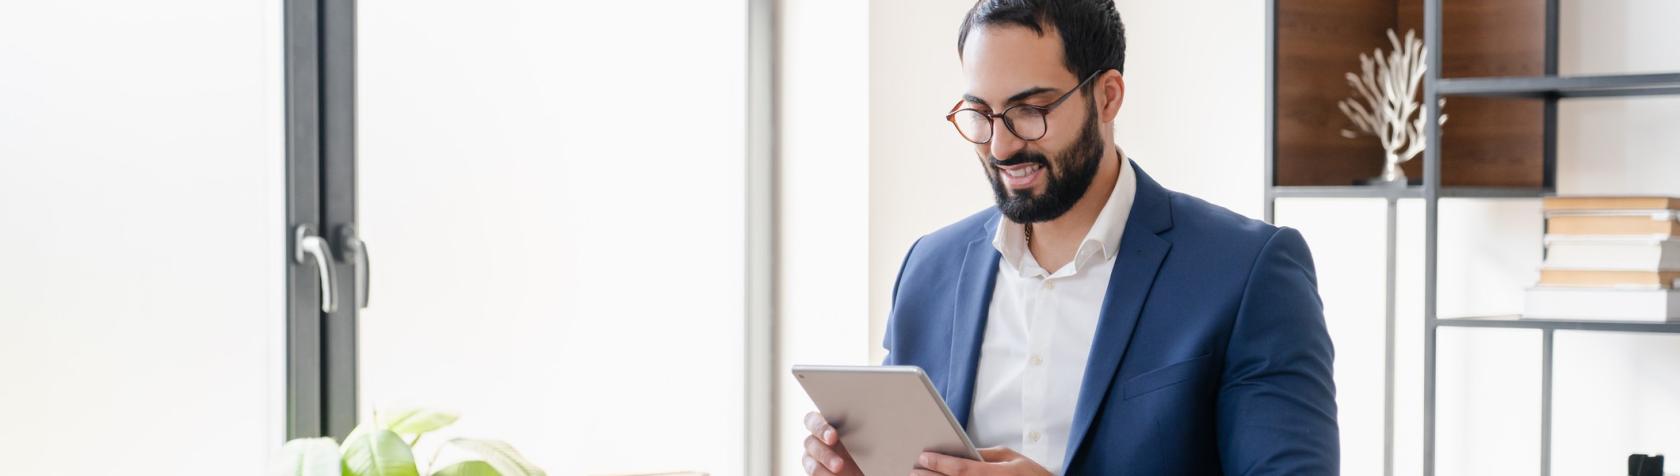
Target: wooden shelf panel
[[1488, 142], [1564, 86]]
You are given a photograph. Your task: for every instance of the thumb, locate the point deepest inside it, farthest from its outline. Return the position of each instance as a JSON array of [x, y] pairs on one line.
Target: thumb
[[943, 464]]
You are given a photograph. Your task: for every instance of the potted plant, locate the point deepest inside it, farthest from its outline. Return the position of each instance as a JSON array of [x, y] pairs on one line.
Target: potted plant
[[378, 448]]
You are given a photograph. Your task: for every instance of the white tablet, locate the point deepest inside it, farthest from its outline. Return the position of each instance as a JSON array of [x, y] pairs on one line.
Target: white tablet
[[886, 416]]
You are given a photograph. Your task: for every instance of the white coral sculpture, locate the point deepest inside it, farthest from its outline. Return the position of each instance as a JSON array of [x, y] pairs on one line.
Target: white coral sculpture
[[1391, 112]]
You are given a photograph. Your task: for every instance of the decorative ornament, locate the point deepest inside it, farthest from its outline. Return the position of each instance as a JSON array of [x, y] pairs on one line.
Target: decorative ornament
[[1391, 110]]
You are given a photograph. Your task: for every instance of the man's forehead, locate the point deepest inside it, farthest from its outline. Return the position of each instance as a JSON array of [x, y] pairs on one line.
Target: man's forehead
[[1001, 60]]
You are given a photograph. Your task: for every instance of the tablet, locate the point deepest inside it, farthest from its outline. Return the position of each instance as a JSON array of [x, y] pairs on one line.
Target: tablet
[[886, 416]]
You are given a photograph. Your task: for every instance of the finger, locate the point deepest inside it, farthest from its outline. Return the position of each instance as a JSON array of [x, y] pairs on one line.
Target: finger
[[923, 472], [814, 423], [949, 465], [998, 453], [819, 426], [814, 469], [821, 453]]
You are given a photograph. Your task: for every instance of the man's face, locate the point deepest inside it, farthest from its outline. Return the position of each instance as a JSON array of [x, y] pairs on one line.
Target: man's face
[[1039, 180]]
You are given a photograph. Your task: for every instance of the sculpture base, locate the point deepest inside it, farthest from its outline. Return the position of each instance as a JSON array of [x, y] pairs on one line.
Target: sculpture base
[[1379, 182]]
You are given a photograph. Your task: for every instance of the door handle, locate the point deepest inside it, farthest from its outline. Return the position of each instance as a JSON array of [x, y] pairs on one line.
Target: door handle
[[355, 250], [308, 246]]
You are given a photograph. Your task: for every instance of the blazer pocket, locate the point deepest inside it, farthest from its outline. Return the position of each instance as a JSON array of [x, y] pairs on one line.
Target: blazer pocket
[[1164, 377]]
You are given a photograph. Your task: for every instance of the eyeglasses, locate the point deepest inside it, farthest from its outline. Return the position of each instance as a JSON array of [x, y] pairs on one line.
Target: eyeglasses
[[1026, 121]]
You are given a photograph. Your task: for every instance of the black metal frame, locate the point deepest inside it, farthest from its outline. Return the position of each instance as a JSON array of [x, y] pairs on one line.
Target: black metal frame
[[320, 192], [1553, 86], [338, 210], [1549, 88], [303, 207]]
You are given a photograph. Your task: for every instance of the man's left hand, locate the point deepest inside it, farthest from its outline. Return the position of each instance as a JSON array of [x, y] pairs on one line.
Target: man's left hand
[[998, 461]]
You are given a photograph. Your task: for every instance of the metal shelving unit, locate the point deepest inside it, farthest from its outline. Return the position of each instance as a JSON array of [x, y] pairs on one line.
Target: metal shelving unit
[[1543, 87], [1514, 322], [1549, 88], [1354, 191]]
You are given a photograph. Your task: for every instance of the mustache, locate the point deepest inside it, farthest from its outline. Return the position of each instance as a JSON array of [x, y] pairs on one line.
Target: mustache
[[1019, 159]]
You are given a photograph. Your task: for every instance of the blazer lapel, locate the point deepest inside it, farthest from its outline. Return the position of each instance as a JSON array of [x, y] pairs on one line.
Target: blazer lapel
[[974, 296], [1141, 252]]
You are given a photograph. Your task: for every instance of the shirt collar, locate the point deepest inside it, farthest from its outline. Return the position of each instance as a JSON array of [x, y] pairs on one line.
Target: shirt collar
[[1103, 239]]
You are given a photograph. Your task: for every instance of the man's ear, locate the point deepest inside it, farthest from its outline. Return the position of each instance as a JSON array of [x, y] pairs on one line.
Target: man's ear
[[1110, 92]]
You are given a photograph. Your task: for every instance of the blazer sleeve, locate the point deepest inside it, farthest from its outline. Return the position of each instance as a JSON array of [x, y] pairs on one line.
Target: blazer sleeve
[[1277, 401], [887, 337]]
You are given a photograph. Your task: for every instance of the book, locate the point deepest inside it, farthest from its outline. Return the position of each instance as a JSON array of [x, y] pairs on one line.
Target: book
[[1604, 278], [1612, 253], [1628, 222], [1602, 304], [1609, 203]]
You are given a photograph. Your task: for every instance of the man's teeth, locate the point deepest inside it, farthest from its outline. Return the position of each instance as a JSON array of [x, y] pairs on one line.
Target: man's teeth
[[1023, 171]]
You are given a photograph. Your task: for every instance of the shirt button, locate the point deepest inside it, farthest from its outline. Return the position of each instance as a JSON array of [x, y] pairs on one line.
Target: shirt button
[[1035, 360], [1032, 437], [1049, 285]]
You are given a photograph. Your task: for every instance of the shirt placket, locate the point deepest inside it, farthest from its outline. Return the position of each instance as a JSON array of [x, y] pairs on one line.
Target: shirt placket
[[1035, 381]]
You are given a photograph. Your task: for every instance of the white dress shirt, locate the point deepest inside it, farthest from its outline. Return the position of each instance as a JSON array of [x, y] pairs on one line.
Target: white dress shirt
[[1038, 335]]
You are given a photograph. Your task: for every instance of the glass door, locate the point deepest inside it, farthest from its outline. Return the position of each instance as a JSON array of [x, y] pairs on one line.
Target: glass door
[[553, 194], [142, 242]]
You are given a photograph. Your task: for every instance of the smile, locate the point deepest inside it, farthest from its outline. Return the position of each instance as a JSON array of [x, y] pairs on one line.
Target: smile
[[1020, 176]]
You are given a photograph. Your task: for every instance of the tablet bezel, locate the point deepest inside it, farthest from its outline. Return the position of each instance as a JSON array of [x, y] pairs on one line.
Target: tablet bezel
[[801, 372]]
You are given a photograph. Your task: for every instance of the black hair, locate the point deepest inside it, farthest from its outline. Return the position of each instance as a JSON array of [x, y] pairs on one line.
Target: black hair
[[1093, 38]]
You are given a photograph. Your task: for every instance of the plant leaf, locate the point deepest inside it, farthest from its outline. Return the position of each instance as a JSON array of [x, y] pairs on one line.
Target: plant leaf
[[377, 452], [468, 468], [307, 457], [499, 455], [414, 421]]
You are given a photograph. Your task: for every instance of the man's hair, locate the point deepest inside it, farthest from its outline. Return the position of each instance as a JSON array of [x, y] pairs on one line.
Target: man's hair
[[1093, 38]]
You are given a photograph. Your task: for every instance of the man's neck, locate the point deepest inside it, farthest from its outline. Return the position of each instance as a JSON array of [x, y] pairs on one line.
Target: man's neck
[[1055, 242]]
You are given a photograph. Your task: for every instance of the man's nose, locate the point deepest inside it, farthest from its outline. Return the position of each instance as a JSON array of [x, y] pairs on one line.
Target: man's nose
[[1004, 143]]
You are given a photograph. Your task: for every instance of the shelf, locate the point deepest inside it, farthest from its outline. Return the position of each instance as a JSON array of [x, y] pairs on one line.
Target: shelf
[[1349, 191], [1356, 191], [1564, 86], [1514, 322]]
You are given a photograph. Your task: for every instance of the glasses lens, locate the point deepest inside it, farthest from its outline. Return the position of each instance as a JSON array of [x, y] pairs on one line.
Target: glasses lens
[[1026, 122], [973, 125]]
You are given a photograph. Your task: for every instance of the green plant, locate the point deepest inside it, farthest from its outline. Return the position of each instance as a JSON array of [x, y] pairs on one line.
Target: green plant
[[377, 448]]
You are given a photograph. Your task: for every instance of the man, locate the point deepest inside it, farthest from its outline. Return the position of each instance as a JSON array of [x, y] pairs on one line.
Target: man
[[1095, 322]]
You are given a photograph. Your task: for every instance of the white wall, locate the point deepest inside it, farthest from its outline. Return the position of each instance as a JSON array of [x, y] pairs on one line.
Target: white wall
[[1194, 118], [921, 173], [823, 199]]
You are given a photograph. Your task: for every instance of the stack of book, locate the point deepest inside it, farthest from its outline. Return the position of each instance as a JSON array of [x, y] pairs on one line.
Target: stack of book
[[1609, 258]]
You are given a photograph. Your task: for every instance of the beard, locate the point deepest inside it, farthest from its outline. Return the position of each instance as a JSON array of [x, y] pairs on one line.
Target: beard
[[1067, 177]]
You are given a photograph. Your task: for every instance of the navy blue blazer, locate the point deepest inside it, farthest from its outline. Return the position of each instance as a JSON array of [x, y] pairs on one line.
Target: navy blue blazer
[[1210, 356]]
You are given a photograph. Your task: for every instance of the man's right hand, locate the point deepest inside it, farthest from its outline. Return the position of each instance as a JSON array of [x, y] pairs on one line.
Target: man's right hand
[[824, 455]]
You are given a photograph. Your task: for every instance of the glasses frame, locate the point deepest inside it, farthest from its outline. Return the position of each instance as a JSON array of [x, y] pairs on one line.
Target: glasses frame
[[991, 118]]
